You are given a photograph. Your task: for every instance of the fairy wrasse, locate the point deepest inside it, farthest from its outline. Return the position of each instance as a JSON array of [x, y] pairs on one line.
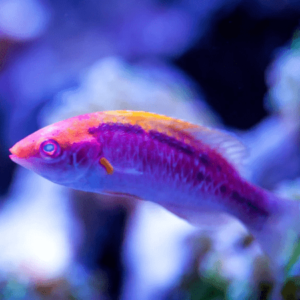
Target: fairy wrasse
[[189, 169]]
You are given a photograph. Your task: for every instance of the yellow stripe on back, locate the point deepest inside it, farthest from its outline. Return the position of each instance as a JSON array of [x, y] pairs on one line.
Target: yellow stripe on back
[[150, 121]]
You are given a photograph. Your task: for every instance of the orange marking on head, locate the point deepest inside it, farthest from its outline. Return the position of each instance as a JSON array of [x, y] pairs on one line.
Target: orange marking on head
[[106, 164], [65, 132]]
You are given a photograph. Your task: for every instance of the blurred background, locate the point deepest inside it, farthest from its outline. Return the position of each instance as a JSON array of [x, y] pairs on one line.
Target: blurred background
[[230, 64]]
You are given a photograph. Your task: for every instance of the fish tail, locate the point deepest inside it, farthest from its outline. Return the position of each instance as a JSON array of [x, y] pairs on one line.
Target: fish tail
[[278, 238]]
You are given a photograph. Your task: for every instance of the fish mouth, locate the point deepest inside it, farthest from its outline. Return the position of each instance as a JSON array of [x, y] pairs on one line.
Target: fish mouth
[[15, 158], [13, 155], [18, 160]]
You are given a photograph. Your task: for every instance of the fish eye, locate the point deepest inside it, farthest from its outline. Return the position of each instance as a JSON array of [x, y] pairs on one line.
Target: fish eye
[[50, 149]]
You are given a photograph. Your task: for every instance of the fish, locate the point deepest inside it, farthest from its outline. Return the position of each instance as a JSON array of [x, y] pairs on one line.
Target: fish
[[189, 169]]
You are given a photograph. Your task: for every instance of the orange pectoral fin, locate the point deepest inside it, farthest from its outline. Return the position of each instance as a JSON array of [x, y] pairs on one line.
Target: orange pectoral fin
[[106, 164]]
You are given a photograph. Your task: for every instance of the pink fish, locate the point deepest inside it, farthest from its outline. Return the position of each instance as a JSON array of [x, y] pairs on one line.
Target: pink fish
[[189, 169]]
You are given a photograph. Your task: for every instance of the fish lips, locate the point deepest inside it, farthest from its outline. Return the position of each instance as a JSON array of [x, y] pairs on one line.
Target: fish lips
[[14, 157], [20, 161]]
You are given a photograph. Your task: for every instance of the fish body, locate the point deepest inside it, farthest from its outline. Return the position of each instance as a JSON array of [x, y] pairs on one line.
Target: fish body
[[153, 157], [189, 169], [169, 166]]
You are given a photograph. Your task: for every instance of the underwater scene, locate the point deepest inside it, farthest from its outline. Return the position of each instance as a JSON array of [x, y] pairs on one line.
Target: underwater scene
[[178, 176]]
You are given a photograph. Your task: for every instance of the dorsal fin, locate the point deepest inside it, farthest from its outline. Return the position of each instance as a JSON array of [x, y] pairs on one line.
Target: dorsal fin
[[224, 143]]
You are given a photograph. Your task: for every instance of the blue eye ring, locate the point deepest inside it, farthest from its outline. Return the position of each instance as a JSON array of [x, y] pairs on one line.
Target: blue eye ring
[[50, 149]]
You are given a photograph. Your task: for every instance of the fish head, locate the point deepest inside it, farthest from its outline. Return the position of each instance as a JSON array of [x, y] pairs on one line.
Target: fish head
[[62, 152]]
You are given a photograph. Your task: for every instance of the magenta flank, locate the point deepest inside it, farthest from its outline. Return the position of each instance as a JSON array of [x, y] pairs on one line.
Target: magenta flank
[[181, 165]]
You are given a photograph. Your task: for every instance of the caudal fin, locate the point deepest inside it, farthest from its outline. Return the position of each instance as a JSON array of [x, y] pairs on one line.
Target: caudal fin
[[278, 238]]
